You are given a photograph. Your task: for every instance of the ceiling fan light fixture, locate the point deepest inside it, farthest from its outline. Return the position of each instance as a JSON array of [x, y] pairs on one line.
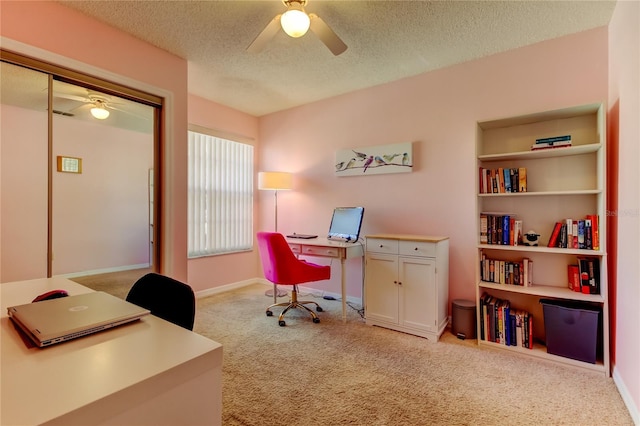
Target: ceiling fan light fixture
[[295, 21], [99, 112]]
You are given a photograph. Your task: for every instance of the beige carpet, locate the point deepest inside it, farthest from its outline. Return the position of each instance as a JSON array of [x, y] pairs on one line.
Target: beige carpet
[[334, 373]]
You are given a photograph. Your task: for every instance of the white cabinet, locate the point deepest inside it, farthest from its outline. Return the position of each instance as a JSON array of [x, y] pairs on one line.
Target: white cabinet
[[407, 283], [561, 183]]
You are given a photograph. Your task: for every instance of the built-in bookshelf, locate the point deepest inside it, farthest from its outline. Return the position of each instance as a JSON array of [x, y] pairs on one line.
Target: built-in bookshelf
[[566, 181]]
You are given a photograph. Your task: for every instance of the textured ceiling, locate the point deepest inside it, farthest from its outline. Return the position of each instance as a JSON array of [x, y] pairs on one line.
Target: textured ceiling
[[387, 41]]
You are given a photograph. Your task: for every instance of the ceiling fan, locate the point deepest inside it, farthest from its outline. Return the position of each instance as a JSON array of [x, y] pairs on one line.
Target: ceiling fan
[[99, 104], [295, 22]]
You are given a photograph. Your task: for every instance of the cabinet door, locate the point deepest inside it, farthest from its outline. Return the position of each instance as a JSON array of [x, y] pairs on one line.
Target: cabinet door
[[381, 287], [418, 297]]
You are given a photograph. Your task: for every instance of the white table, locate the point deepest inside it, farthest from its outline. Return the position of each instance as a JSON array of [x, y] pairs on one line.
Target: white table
[[149, 372], [323, 247]]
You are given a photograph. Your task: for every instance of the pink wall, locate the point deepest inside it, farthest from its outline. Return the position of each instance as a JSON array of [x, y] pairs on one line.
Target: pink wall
[[214, 271], [437, 111], [86, 44], [624, 100]]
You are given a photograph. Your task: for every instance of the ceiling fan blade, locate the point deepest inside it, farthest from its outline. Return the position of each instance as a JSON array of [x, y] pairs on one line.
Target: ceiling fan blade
[[108, 106], [326, 35], [267, 34], [72, 97]]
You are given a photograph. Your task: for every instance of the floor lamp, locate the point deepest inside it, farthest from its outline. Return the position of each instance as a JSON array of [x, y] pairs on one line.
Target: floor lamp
[[275, 181]]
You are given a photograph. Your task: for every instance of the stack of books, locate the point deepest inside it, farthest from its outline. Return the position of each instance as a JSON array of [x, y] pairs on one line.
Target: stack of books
[[553, 142], [576, 233], [585, 276], [500, 323], [500, 228], [507, 272], [502, 180]]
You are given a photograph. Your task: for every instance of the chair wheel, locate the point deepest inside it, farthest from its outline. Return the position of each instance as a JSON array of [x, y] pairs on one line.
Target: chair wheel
[[282, 323], [316, 320], [319, 309], [269, 313]]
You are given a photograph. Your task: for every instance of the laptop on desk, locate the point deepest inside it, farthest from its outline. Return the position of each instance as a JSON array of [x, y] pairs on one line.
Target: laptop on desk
[[58, 320]]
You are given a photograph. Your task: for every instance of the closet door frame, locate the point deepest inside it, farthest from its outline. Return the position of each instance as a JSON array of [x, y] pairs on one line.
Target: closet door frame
[[109, 87]]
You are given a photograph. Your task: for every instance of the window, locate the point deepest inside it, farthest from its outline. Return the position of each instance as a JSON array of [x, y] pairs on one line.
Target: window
[[220, 209]]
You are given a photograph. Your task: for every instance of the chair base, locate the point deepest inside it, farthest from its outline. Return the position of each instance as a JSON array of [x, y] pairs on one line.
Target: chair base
[[295, 304]]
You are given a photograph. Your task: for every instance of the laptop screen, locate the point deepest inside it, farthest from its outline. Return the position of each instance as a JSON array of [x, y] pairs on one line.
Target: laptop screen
[[346, 223]]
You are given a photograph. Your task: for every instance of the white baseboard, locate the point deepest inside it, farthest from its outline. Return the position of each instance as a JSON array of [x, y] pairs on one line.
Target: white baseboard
[[105, 270], [227, 287], [306, 289], [626, 397]]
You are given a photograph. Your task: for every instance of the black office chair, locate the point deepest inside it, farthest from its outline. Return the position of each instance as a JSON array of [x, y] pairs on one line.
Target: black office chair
[[166, 298]]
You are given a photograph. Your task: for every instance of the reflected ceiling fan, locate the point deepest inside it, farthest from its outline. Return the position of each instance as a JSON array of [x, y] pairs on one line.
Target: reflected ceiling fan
[[295, 22], [99, 104]]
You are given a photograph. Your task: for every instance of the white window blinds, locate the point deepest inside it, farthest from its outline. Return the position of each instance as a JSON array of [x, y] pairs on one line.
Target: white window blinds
[[220, 205]]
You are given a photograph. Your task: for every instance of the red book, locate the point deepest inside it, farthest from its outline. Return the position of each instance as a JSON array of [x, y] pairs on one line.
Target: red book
[[553, 240], [574, 277]]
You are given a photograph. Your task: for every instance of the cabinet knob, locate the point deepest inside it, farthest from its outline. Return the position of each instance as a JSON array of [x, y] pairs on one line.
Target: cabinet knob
[[416, 248], [399, 282], [381, 245]]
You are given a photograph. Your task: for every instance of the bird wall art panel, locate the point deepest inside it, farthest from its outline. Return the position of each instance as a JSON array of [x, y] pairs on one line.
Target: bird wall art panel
[[375, 160]]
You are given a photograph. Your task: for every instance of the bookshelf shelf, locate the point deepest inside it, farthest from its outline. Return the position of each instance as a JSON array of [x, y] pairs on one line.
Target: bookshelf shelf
[[540, 351], [543, 153], [547, 193], [542, 249], [561, 183], [544, 291]]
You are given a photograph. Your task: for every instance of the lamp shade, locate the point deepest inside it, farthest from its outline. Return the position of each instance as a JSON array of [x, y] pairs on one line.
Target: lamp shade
[[295, 22], [275, 180], [99, 113]]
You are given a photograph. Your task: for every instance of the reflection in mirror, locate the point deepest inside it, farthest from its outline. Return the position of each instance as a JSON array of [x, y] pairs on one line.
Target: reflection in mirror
[[101, 216]]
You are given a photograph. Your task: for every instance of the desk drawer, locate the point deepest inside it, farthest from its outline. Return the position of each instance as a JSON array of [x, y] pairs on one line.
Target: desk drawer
[[296, 248], [321, 251], [379, 245], [417, 248]]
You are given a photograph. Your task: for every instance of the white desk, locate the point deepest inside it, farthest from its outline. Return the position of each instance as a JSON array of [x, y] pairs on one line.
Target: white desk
[[322, 247], [149, 372]]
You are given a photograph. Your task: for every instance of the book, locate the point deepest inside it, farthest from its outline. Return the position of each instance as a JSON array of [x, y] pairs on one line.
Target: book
[[595, 234], [507, 180], [589, 274], [588, 242], [483, 228], [517, 233], [584, 275], [522, 179], [562, 238], [580, 234], [506, 224], [569, 233], [573, 275], [555, 234], [554, 139], [540, 146], [500, 175]]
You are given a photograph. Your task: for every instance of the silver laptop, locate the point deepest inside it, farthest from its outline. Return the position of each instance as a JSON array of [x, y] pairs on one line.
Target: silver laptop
[[58, 320]]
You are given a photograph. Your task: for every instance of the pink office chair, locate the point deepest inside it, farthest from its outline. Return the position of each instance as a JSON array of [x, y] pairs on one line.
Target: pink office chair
[[282, 267]]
